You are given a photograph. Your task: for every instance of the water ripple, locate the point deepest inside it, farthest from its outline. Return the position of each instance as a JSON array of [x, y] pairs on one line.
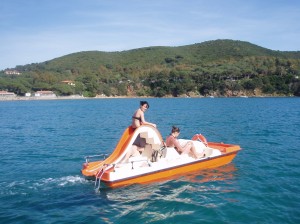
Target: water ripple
[[43, 144]]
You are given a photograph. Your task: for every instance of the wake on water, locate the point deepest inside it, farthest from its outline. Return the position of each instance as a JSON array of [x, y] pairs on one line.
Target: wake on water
[[44, 184]]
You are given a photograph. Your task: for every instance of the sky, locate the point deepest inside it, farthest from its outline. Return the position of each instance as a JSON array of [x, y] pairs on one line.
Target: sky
[[34, 31]]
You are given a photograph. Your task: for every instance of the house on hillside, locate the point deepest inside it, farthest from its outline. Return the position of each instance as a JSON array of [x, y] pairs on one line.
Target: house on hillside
[[12, 72], [68, 82], [45, 93], [7, 94]]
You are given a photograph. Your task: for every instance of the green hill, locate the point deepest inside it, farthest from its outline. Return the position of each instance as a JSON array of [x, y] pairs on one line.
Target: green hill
[[220, 67], [149, 56]]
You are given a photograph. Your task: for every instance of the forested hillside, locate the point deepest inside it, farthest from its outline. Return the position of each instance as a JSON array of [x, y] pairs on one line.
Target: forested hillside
[[219, 68]]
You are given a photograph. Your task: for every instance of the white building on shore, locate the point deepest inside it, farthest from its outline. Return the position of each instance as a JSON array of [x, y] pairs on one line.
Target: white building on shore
[[45, 93]]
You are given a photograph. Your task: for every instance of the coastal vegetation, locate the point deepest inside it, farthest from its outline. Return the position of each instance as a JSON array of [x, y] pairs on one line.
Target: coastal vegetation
[[212, 68]]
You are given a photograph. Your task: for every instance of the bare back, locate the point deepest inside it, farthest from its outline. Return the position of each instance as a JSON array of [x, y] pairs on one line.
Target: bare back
[[137, 118]]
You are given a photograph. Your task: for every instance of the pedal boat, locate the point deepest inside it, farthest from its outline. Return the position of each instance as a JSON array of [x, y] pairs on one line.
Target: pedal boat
[[156, 162]]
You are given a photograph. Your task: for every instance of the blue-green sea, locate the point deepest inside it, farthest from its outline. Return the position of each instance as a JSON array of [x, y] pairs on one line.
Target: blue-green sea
[[43, 144]]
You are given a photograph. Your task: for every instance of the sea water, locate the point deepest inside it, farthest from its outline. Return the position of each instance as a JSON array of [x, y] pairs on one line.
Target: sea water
[[43, 144]]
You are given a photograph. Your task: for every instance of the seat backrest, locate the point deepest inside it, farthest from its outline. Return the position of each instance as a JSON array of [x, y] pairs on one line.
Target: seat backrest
[[147, 151]]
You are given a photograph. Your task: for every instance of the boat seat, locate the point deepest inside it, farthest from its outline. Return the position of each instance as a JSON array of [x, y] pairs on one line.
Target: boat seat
[[170, 153], [213, 152]]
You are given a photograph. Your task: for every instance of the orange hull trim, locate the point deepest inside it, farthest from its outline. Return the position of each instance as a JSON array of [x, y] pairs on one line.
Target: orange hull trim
[[174, 171], [91, 170]]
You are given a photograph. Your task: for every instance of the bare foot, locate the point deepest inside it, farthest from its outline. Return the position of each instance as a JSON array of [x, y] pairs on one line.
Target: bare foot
[[200, 155]]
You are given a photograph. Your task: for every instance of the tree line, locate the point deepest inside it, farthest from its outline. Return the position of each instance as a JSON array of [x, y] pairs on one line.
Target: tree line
[[181, 72]]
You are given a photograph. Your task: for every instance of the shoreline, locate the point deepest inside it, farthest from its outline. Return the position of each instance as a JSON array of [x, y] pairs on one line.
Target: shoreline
[[77, 97], [73, 97]]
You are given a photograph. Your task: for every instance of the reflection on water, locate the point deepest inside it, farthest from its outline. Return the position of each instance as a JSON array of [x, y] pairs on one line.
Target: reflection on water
[[171, 198], [224, 173]]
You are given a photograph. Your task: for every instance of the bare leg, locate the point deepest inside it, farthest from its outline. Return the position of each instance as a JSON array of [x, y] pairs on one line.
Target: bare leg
[[129, 153], [134, 151], [197, 155], [190, 146]]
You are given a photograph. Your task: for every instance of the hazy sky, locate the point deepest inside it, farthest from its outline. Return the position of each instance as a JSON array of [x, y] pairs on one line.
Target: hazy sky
[[35, 31]]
